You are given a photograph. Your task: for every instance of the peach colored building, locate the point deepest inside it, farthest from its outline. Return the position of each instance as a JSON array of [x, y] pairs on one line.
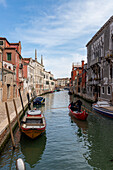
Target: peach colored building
[[12, 68]]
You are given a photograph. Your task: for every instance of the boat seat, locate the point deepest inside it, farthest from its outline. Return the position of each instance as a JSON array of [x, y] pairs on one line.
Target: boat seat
[[34, 124]]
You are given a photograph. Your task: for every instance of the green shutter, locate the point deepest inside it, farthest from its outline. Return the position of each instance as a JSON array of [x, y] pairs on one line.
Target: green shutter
[[8, 56]]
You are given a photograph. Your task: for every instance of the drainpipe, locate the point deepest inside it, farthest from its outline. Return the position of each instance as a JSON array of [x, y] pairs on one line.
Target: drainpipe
[[1, 52]]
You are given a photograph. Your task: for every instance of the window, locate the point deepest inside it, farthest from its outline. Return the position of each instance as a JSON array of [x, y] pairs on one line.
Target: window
[[47, 82], [109, 90], [111, 71], [102, 90], [91, 88], [8, 56], [1, 42], [8, 91]]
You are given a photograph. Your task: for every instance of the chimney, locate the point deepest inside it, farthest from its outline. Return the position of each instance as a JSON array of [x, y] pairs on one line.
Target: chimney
[[82, 63], [72, 66], [42, 59], [35, 55], [20, 47]]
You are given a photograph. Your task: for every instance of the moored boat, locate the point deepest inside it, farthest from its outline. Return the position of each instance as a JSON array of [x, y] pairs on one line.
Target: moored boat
[[103, 107], [33, 124], [79, 115], [39, 101]]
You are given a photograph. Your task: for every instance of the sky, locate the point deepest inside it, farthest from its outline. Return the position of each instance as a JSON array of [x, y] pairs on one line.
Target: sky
[[58, 29]]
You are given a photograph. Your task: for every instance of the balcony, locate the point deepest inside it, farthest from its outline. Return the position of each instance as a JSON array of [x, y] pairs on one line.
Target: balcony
[[95, 61], [94, 81]]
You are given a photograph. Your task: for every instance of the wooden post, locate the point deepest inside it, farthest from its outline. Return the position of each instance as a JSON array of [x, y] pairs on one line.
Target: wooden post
[[12, 137], [29, 103], [16, 113], [21, 99]]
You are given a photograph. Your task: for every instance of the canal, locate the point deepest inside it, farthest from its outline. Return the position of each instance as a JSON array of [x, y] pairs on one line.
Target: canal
[[67, 144]]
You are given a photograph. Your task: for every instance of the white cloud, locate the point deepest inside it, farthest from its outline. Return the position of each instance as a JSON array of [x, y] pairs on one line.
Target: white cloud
[[62, 67], [3, 2], [69, 22]]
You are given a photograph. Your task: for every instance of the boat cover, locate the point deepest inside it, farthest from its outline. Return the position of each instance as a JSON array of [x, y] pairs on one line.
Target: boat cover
[[34, 112]]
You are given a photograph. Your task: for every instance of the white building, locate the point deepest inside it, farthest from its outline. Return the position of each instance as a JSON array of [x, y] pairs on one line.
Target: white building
[[62, 82], [38, 75], [28, 75], [49, 83]]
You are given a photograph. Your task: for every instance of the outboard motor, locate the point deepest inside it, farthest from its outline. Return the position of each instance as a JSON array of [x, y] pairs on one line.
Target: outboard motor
[[20, 164]]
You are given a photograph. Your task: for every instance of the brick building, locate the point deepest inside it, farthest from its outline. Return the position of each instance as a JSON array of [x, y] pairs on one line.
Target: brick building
[[75, 79], [12, 68]]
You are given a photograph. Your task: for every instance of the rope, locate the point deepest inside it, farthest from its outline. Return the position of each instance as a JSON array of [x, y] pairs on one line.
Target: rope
[[92, 112]]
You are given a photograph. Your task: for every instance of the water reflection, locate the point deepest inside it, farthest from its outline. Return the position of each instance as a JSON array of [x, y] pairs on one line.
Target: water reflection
[[70, 144], [99, 143], [82, 125], [96, 138], [32, 149]]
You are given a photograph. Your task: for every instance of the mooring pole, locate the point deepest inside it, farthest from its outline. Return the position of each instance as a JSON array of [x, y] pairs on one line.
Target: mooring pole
[[12, 137], [21, 99], [29, 103], [16, 113]]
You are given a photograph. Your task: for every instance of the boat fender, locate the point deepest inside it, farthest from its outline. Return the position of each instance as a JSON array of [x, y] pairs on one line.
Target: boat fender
[[20, 164]]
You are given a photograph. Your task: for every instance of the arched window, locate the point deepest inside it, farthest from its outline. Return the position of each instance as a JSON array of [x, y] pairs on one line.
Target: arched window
[[109, 90], [9, 68]]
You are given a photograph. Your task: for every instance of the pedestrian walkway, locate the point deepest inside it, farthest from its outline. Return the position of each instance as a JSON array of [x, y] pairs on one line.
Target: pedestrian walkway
[[4, 125]]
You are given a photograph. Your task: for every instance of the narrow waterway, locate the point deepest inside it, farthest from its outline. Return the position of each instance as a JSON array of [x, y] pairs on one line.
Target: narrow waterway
[[67, 144]]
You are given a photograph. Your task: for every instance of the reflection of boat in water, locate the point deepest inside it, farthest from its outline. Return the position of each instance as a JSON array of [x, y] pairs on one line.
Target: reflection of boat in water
[[33, 149], [83, 125]]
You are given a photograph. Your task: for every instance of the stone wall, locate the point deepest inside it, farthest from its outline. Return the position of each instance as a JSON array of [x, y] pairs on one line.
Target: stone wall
[[4, 127]]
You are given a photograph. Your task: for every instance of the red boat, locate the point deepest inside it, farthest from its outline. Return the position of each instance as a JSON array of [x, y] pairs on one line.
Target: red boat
[[78, 115]]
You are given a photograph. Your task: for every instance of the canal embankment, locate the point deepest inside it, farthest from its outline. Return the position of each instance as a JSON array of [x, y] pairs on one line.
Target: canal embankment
[[4, 124], [85, 97]]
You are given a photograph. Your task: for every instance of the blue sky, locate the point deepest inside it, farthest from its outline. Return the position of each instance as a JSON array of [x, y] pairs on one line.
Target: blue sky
[[58, 29]]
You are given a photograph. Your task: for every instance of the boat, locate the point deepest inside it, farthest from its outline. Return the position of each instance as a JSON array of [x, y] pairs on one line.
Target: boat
[[103, 107], [39, 101], [33, 124], [78, 115]]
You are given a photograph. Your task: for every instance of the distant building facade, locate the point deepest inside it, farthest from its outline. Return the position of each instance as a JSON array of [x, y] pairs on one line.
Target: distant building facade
[[62, 82], [49, 83]]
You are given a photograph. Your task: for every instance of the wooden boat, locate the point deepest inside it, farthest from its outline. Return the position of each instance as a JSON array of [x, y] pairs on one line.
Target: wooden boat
[[103, 107], [79, 115], [39, 101], [33, 124]]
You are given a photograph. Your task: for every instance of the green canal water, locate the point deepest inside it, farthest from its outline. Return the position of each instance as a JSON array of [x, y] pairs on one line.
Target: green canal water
[[67, 144]]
